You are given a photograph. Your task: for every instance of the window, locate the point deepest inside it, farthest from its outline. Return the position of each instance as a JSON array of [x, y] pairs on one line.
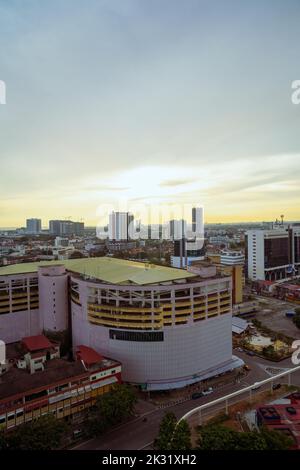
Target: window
[[136, 335]]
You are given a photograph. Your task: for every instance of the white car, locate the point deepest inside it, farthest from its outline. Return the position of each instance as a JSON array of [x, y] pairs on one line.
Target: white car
[[207, 392]]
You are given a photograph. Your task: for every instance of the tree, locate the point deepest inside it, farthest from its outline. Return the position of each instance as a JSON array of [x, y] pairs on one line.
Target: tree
[[44, 433], [296, 318], [252, 440], [182, 437], [112, 408], [269, 352], [216, 437], [166, 432], [276, 440], [173, 436]]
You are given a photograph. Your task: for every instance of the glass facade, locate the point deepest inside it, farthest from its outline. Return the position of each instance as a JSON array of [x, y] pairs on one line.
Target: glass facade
[[276, 252], [297, 249]]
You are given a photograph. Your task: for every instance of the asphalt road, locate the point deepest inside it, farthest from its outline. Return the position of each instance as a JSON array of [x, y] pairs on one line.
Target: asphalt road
[[138, 434]]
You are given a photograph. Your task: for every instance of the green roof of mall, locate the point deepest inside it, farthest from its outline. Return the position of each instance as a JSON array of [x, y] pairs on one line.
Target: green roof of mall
[[110, 270]]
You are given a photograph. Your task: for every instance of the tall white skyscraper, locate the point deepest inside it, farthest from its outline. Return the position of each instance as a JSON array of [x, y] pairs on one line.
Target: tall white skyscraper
[[118, 227]]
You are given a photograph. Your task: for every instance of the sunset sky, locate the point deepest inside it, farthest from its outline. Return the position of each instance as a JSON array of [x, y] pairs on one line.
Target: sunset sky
[[155, 101]]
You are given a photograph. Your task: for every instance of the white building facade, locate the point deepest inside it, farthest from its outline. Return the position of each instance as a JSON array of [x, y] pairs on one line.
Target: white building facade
[[166, 334], [268, 254], [231, 258]]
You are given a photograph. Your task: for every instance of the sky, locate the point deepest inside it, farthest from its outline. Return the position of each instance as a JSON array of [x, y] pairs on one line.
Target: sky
[[150, 102]]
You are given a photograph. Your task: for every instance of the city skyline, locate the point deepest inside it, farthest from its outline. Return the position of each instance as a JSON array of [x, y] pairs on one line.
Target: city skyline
[[149, 102]]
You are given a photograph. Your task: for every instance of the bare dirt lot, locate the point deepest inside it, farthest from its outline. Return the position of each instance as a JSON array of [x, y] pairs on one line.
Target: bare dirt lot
[[272, 315]]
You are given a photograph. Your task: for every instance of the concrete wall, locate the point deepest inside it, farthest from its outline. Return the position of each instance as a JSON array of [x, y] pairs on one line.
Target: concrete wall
[[14, 326], [187, 349], [53, 298]]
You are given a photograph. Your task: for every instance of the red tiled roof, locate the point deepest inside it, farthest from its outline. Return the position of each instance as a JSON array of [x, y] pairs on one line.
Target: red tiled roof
[[88, 355], [35, 343]]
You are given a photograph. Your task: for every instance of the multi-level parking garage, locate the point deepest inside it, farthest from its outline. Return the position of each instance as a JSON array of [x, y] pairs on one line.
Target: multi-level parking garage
[[167, 326]]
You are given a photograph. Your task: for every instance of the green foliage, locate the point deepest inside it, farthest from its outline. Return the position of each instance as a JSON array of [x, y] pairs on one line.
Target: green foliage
[[276, 440], [172, 437], [270, 353], [296, 318], [182, 437], [216, 438], [44, 433], [222, 438], [166, 431], [112, 408]]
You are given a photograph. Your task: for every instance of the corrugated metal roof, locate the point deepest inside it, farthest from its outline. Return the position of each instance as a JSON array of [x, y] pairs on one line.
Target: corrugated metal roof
[[111, 270], [239, 325]]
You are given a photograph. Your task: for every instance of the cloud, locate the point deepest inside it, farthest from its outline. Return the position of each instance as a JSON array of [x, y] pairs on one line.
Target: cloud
[[201, 94], [178, 182]]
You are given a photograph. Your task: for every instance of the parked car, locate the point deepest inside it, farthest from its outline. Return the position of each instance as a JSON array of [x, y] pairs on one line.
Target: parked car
[[290, 314], [276, 386], [77, 433], [197, 395], [208, 391], [250, 353]]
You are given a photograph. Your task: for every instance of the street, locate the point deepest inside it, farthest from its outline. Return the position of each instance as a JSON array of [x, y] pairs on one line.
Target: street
[[139, 434]]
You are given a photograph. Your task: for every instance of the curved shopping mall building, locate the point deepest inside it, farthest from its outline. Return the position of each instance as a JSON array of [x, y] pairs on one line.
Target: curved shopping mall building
[[169, 327]]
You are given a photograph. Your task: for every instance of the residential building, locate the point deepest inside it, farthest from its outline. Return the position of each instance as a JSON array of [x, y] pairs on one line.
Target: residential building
[[119, 226], [33, 226], [37, 382], [231, 257], [66, 228]]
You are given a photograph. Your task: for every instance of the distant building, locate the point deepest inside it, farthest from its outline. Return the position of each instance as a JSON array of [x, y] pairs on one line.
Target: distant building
[[177, 229], [118, 227], [33, 226], [231, 257], [54, 227], [184, 255], [272, 255], [294, 233], [60, 241], [188, 247], [66, 228], [220, 240]]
